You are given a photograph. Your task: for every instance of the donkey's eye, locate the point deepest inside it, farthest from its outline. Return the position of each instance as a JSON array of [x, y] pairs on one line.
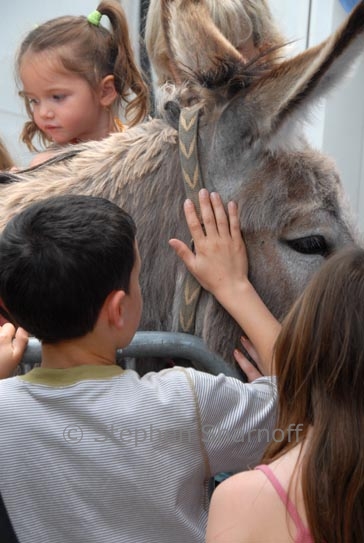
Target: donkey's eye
[[310, 245]]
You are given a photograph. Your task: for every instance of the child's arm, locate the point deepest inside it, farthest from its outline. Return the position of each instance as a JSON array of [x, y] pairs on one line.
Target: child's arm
[[221, 266], [12, 346]]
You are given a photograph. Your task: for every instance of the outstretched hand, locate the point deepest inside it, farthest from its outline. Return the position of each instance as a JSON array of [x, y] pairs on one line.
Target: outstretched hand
[[220, 259], [220, 265], [13, 343]]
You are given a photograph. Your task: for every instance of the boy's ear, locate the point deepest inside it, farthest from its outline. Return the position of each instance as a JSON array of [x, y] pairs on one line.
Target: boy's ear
[[108, 92], [114, 307]]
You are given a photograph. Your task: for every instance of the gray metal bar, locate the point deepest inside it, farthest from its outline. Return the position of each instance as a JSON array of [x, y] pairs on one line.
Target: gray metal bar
[[158, 345]]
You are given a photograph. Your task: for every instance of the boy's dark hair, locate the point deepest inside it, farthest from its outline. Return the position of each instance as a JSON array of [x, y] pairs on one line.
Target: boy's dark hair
[[59, 259]]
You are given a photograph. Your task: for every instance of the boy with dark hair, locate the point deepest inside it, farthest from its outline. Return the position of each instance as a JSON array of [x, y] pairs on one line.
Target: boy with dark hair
[[88, 451]]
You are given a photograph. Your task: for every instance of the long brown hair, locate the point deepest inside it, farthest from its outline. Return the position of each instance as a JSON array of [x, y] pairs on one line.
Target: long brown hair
[[6, 162], [319, 359], [92, 52]]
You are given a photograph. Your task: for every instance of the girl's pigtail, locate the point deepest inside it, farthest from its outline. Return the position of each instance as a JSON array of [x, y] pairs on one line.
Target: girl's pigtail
[[129, 82], [29, 131]]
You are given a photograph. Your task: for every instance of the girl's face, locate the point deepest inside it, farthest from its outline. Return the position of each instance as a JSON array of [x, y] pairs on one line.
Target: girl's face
[[64, 105]]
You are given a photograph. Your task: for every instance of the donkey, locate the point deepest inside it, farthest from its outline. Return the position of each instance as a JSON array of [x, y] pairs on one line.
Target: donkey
[[251, 149]]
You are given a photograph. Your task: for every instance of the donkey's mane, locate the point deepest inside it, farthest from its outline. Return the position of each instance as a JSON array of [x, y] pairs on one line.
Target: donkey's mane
[[233, 76], [216, 86]]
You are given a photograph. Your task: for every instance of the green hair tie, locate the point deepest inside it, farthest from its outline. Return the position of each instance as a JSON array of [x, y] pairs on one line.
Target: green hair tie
[[94, 18]]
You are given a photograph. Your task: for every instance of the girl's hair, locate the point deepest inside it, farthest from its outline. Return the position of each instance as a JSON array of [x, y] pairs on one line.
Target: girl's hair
[[238, 20], [92, 52], [319, 359], [6, 161]]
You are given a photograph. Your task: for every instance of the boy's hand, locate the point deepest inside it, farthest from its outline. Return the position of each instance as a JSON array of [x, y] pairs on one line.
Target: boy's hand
[[12, 346], [220, 260]]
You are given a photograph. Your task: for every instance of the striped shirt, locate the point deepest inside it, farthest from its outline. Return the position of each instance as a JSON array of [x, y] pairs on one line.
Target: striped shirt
[[96, 453]]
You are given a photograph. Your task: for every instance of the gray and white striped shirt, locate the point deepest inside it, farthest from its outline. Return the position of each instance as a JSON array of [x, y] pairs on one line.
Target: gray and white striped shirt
[[95, 453]]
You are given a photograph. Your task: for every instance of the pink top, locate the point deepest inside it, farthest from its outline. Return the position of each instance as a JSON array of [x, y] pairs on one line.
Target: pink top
[[303, 534]]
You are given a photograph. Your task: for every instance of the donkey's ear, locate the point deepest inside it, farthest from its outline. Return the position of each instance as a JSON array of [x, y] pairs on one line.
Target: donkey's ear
[[195, 44], [281, 94]]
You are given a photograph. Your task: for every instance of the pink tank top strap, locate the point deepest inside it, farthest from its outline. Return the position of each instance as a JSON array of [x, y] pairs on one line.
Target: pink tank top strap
[[303, 534]]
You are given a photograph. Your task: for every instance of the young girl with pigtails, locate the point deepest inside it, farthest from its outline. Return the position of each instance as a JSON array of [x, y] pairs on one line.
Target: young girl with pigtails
[[77, 78]]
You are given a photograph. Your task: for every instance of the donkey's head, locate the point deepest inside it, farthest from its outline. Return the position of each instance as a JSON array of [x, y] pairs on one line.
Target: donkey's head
[[251, 143]]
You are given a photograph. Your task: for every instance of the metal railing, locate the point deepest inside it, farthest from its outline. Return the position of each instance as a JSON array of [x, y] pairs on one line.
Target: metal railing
[[174, 345]]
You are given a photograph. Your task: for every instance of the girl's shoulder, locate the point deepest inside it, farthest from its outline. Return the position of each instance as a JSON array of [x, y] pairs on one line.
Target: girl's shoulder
[[248, 506], [41, 157], [244, 508]]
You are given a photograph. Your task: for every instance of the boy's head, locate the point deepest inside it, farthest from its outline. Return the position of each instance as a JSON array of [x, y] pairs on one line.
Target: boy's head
[[60, 259]]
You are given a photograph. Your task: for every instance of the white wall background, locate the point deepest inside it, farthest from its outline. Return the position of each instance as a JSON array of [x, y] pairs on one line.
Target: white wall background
[[337, 126]]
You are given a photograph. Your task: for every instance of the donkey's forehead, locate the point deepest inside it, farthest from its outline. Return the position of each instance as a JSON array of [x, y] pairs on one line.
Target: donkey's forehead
[[290, 188]]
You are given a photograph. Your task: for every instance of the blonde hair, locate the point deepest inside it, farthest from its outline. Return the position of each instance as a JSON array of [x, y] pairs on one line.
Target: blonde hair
[[92, 52], [238, 20], [6, 162]]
